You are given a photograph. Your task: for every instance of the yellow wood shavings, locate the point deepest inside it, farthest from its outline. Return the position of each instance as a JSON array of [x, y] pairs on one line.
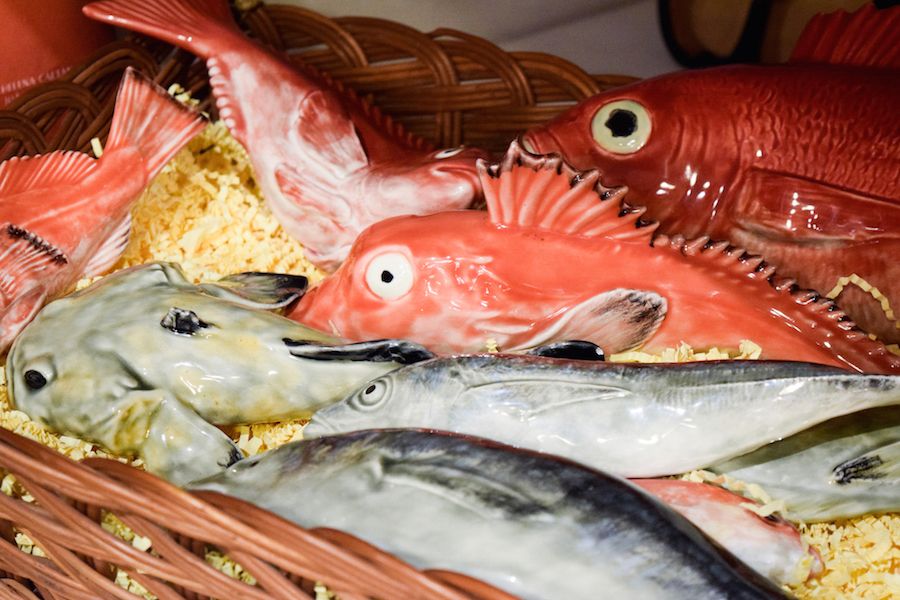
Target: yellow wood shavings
[[685, 353], [867, 287], [205, 211]]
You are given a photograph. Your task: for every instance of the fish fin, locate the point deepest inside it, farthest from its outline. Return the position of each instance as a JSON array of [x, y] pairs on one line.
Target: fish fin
[[322, 198], [543, 192], [179, 444], [868, 37], [150, 121], [111, 250], [883, 463], [565, 395], [829, 326], [399, 351], [570, 350], [618, 320], [198, 26], [23, 173], [767, 199], [268, 291], [323, 124], [19, 313]]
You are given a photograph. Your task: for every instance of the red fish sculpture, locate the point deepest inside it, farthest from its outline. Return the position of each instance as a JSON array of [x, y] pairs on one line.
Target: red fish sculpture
[[65, 215], [328, 163], [557, 256], [798, 162], [770, 545]]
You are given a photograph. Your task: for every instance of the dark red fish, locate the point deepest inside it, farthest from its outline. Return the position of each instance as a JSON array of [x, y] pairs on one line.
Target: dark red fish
[[798, 162], [328, 163]]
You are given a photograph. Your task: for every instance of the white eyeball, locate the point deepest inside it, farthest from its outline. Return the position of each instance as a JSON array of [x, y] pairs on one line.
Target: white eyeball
[[389, 275], [372, 395], [621, 126], [449, 152]]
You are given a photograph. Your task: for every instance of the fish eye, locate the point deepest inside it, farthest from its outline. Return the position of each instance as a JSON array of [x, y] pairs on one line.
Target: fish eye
[[372, 395], [449, 152], [389, 275], [621, 126], [35, 380]]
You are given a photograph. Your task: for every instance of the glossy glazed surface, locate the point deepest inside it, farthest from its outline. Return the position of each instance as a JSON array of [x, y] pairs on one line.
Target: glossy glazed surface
[[65, 215], [534, 525], [632, 420], [145, 362], [328, 164], [837, 470], [797, 162], [771, 545], [552, 261]]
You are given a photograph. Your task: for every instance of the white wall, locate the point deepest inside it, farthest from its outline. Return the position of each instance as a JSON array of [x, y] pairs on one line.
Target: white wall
[[601, 36]]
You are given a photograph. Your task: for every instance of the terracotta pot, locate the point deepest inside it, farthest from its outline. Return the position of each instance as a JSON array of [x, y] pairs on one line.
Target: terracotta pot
[[40, 40]]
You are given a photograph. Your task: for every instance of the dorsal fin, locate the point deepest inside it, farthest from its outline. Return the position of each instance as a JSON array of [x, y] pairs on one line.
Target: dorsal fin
[[868, 37], [868, 354], [22, 173], [544, 192]]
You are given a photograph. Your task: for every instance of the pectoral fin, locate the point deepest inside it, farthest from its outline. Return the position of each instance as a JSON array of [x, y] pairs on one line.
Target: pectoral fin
[[267, 291], [181, 447], [399, 351], [18, 314], [617, 320], [883, 463]]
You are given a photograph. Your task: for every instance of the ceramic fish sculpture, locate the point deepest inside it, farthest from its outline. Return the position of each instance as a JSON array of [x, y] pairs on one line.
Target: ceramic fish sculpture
[[328, 163], [147, 363], [65, 215], [557, 256], [634, 420], [770, 544], [843, 468], [798, 162], [534, 525]]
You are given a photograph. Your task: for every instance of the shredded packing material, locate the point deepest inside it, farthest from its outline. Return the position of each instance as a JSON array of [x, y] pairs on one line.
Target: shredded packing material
[[205, 211]]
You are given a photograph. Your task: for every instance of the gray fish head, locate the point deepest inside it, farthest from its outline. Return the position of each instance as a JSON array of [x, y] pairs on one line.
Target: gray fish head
[[72, 392], [418, 395]]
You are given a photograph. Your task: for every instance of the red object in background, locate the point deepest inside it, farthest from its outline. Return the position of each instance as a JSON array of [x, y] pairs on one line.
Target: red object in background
[[40, 40]]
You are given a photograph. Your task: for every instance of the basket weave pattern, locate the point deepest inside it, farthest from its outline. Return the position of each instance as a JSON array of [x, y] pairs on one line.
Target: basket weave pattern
[[467, 91]]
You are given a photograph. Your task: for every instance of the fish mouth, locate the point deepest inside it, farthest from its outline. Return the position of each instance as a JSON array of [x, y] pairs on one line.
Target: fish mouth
[[318, 427]]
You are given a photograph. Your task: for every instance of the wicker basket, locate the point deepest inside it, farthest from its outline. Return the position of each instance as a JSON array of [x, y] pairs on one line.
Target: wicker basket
[[467, 91]]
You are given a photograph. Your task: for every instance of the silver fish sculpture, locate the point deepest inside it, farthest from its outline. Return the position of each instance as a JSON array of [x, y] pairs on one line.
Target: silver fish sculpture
[[633, 420], [147, 363], [534, 525], [843, 468]]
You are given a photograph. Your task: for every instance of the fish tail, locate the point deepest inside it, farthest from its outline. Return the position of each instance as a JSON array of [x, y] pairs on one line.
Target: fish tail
[[147, 119], [198, 26]]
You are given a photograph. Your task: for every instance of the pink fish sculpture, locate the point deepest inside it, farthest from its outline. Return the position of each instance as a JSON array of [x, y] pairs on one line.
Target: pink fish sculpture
[[558, 256], [798, 162], [65, 215], [770, 545], [328, 163]]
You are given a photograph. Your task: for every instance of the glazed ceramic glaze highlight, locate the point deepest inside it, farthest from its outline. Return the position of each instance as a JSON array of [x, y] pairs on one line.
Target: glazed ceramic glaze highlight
[[535, 525], [799, 162], [148, 363], [557, 256], [65, 215], [328, 163]]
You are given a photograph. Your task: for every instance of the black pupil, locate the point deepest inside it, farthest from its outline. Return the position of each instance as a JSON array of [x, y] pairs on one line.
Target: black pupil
[[370, 389], [622, 123], [387, 276], [35, 380]]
